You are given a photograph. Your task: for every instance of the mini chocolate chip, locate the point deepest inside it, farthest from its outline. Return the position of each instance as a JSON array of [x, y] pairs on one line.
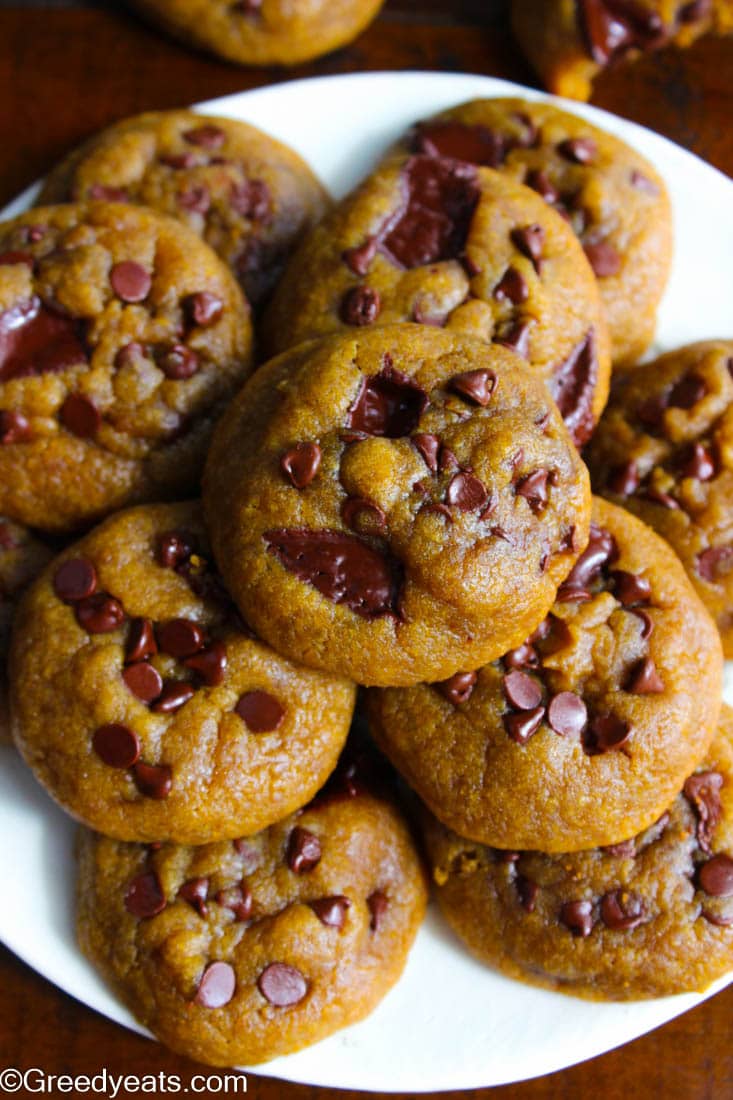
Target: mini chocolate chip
[[567, 714], [540, 182], [181, 637], [530, 240], [527, 891], [533, 488], [75, 579], [715, 562], [207, 136], [144, 681], [99, 613], [522, 691], [428, 446], [153, 780], [643, 183], [141, 642], [195, 892], [601, 549], [687, 392], [646, 622], [14, 427], [144, 897], [304, 850], [116, 745], [466, 492], [512, 287], [203, 308], [644, 679], [300, 463], [524, 724], [360, 306], [282, 985], [578, 150], [697, 461], [578, 917], [605, 733], [476, 385], [621, 910], [716, 919], [702, 791], [363, 515], [603, 258], [177, 361], [173, 548], [516, 338], [261, 711], [130, 281], [238, 899], [630, 588], [174, 695], [209, 663], [459, 687], [624, 480], [80, 416], [378, 905], [217, 986], [716, 876], [524, 656], [331, 911]]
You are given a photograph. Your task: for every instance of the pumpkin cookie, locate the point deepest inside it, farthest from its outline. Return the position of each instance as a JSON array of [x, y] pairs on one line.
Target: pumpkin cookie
[[122, 335], [581, 735], [240, 952], [263, 32], [611, 196], [665, 451], [396, 504], [144, 705], [646, 918], [570, 41], [450, 245], [247, 195]]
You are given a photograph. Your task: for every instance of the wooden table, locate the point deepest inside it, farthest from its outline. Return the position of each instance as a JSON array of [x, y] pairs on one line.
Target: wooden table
[[67, 70]]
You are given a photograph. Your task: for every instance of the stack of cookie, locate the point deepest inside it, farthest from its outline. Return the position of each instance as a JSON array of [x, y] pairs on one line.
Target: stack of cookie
[[395, 500]]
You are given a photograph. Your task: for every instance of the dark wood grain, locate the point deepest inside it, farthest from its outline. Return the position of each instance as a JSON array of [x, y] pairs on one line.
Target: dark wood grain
[[67, 70]]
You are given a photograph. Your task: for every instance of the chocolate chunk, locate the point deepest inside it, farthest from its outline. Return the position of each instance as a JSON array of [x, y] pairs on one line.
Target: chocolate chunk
[[466, 492], [153, 780], [177, 361], [144, 897], [343, 568], [458, 688], [144, 681], [35, 340], [300, 463], [524, 724], [282, 985], [715, 562], [612, 27], [209, 663], [512, 287], [522, 691], [623, 480], [75, 579], [388, 404], [644, 679], [174, 695], [643, 183], [360, 306], [524, 656], [476, 385], [331, 911], [80, 416], [14, 428], [630, 588], [573, 386], [533, 488], [363, 515], [697, 461], [116, 745], [600, 550], [603, 258], [203, 308], [621, 910], [605, 733], [207, 136], [540, 182], [141, 642], [716, 876], [130, 281], [195, 892], [578, 150], [378, 904], [217, 986], [99, 613], [460, 141], [304, 851], [428, 446], [530, 240], [578, 917], [173, 548], [261, 711], [527, 891], [434, 222], [238, 899], [516, 338], [567, 714], [702, 791], [358, 259], [181, 637], [686, 393]]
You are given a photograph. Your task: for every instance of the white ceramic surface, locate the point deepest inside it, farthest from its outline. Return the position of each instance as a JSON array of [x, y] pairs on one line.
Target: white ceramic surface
[[449, 1023]]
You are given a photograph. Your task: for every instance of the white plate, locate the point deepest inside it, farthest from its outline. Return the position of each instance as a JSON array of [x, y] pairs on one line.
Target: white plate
[[449, 1023]]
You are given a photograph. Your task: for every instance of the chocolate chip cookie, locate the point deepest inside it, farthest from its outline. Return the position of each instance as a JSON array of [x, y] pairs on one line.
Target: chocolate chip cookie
[[263, 32], [582, 734], [645, 918], [610, 195], [395, 505], [452, 245], [143, 703], [665, 451], [121, 337], [570, 41], [250, 197], [242, 951]]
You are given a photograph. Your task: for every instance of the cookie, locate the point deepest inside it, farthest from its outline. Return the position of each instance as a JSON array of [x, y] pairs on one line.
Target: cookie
[[447, 244], [570, 41], [250, 197], [665, 451], [396, 504], [122, 335], [646, 918], [238, 952], [263, 32], [22, 557], [581, 735], [611, 196], [143, 703]]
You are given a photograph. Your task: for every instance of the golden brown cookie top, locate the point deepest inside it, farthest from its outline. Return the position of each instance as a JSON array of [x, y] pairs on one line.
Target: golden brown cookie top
[[172, 722], [373, 500]]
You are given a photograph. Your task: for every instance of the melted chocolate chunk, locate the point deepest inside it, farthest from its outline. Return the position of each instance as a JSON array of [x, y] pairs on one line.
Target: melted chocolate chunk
[[702, 791], [388, 404], [573, 385], [460, 141], [35, 340], [343, 568]]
